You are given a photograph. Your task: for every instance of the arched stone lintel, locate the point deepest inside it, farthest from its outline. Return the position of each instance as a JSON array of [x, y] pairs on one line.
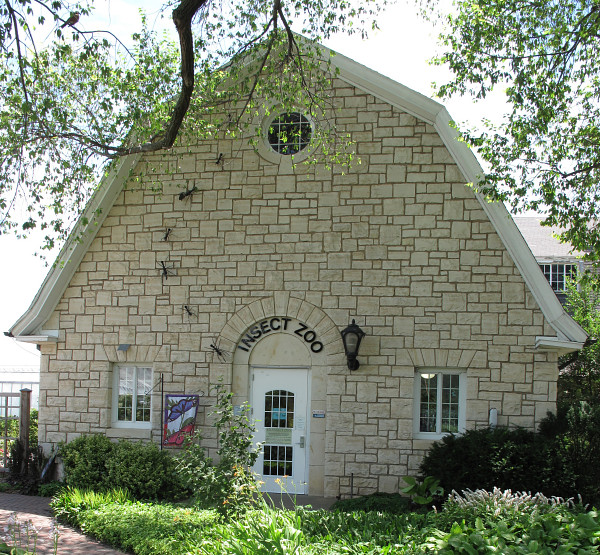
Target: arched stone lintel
[[282, 304], [142, 353], [446, 358]]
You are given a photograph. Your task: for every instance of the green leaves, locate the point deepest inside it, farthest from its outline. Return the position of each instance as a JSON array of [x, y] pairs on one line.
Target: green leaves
[[228, 485], [79, 99], [4, 548], [94, 462], [72, 108], [545, 153], [579, 379], [422, 493], [523, 528]]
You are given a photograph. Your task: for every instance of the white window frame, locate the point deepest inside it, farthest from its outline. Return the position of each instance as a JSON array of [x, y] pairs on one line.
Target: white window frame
[[562, 275], [297, 142], [462, 405], [285, 161], [116, 423]]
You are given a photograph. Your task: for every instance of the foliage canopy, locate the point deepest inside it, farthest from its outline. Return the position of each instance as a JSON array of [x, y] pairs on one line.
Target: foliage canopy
[[579, 378], [75, 99], [545, 154]]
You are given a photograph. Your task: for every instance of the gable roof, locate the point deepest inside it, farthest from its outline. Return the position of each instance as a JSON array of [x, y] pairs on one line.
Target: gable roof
[[569, 335], [543, 240]]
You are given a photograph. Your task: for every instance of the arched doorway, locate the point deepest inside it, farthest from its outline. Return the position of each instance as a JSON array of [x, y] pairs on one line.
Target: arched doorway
[[280, 374], [286, 345]]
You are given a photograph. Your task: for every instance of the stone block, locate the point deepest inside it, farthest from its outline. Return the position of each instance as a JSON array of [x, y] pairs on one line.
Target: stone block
[[520, 317], [378, 410], [116, 316], [388, 456], [349, 444], [366, 392], [454, 302]]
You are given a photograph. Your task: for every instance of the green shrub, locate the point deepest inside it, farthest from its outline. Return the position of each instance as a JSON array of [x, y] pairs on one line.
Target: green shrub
[[498, 505], [50, 489], [85, 460], [15, 458], [365, 532], [381, 502], [70, 503], [502, 522], [33, 428], [581, 445], [141, 528], [94, 462], [575, 432], [25, 469], [423, 492], [477, 522], [514, 459], [143, 470]]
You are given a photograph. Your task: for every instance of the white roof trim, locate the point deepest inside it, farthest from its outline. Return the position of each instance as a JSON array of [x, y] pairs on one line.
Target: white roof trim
[[554, 344], [71, 255], [36, 339], [389, 91]]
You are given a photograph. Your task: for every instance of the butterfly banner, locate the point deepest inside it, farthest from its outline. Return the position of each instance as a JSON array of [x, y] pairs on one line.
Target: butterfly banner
[[180, 418]]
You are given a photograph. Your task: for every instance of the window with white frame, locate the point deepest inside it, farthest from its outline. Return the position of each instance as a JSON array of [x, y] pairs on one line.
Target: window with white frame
[[132, 396], [439, 402], [557, 275], [289, 133]]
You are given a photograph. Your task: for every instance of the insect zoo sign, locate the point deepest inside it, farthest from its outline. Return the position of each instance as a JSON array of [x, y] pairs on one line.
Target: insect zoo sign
[[279, 324]]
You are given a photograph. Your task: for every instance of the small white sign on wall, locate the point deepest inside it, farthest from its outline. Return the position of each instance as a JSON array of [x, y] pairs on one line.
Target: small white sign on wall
[[318, 413]]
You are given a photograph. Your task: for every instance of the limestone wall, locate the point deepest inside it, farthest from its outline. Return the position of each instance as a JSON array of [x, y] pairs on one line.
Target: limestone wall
[[397, 242]]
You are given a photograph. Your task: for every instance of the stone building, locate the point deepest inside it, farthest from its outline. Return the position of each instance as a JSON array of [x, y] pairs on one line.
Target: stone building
[[252, 278]]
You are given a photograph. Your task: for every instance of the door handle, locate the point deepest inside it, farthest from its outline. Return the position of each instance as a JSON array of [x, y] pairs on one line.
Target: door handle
[[302, 442]]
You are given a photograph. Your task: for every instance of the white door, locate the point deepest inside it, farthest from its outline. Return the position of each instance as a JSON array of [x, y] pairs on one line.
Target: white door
[[279, 405]]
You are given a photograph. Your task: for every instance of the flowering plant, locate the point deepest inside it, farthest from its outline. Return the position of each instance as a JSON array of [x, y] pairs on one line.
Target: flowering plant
[[228, 484]]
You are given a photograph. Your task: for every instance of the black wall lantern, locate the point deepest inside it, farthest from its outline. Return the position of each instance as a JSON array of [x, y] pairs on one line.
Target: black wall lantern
[[352, 336]]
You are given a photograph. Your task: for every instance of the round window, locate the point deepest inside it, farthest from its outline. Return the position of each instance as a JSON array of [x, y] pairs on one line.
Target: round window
[[289, 133]]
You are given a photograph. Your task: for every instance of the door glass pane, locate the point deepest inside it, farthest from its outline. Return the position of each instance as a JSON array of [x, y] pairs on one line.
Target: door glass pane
[[278, 460], [279, 413], [279, 409]]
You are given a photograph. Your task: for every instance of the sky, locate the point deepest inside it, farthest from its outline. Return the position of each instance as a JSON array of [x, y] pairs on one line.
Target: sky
[[401, 50]]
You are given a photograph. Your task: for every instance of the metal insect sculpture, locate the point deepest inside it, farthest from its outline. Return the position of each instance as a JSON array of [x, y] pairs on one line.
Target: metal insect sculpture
[[221, 353], [187, 193], [167, 234], [164, 271], [219, 159], [188, 309]]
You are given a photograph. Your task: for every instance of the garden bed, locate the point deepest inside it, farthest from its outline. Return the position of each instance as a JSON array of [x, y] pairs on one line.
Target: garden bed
[[477, 522]]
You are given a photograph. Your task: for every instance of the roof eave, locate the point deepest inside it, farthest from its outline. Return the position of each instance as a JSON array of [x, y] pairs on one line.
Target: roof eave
[[36, 339], [559, 346], [67, 262]]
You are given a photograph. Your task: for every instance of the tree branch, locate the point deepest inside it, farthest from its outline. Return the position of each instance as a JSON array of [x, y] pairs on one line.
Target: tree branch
[[19, 53], [182, 17], [586, 169], [257, 75]]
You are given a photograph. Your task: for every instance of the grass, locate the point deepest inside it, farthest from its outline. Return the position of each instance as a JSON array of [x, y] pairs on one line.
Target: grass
[[480, 523]]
